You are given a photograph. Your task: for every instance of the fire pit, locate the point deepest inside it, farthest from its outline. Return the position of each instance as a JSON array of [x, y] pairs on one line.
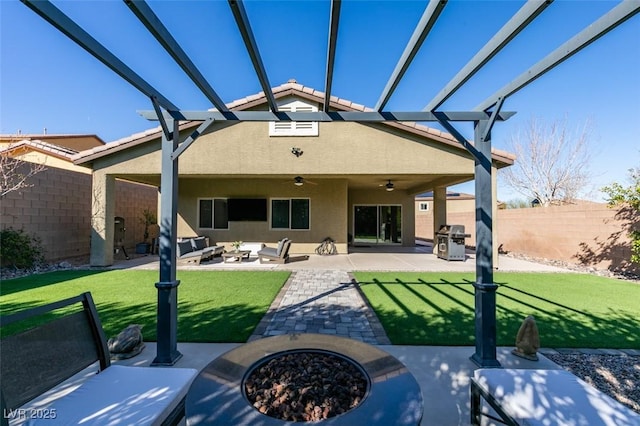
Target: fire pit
[[304, 378]]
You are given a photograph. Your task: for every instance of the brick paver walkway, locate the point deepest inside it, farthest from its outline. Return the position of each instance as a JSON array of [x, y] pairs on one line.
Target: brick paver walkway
[[327, 302]]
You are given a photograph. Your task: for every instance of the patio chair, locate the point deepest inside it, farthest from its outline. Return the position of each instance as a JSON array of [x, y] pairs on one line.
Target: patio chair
[[278, 254]]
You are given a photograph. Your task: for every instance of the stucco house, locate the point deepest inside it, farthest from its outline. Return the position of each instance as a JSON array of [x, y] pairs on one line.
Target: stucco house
[[257, 181]]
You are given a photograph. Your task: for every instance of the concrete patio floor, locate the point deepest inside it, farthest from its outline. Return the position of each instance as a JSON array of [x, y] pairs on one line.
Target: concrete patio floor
[[442, 372], [381, 258]]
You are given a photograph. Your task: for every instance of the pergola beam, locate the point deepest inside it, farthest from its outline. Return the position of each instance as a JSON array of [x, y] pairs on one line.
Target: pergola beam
[[68, 27], [163, 120], [153, 24], [242, 21], [369, 116], [191, 139], [334, 19], [426, 23], [508, 32], [606, 23]]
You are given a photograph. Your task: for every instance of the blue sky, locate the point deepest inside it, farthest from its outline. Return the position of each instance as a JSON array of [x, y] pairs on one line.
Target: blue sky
[[46, 81]]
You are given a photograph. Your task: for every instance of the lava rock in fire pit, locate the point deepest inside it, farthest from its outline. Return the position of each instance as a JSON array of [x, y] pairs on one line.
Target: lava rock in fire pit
[[305, 386]]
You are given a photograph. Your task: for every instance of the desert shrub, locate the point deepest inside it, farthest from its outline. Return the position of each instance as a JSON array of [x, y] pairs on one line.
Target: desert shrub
[[19, 250]]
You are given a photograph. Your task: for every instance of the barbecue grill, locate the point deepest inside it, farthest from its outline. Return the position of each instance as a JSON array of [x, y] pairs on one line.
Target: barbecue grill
[[450, 240]]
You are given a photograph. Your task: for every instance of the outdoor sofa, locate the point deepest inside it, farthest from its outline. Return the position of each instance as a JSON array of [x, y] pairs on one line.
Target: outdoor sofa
[[196, 249], [279, 254]]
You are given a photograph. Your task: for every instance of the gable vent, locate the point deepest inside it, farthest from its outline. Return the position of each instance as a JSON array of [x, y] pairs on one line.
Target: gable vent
[[294, 128]]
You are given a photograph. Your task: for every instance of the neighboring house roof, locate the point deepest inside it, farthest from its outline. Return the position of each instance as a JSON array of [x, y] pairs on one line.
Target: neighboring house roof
[[428, 196], [76, 142], [40, 146], [291, 88]]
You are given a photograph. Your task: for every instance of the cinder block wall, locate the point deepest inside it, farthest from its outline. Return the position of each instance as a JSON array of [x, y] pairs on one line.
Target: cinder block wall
[[57, 209], [590, 234]]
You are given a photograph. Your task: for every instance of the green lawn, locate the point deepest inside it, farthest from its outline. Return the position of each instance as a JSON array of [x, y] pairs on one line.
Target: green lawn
[[213, 306], [571, 310]]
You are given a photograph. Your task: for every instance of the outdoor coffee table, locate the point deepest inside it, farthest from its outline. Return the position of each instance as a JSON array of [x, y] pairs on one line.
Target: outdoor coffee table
[[238, 255]]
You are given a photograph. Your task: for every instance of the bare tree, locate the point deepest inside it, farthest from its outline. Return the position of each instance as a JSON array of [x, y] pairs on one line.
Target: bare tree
[[552, 163], [15, 174]]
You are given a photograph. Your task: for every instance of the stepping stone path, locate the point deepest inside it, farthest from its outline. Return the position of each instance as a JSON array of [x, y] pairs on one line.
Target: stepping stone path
[[326, 302]]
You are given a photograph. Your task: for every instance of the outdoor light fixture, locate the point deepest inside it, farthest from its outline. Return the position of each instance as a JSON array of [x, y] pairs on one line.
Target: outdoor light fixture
[[298, 181], [296, 151], [389, 186]]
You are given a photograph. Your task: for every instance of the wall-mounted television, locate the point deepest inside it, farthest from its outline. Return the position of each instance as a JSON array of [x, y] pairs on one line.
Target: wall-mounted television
[[247, 209]]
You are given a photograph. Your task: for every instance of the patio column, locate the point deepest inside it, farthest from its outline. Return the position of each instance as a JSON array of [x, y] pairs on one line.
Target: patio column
[[439, 212], [485, 289], [102, 217], [167, 318]]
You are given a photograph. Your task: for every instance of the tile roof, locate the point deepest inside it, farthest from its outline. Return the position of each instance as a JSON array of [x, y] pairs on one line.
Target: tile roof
[[44, 147], [291, 87], [41, 136]]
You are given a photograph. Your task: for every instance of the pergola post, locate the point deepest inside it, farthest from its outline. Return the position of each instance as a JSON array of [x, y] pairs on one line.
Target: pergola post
[[485, 289], [167, 318]]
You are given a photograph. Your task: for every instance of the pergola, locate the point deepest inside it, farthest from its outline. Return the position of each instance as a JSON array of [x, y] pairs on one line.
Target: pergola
[[483, 117]]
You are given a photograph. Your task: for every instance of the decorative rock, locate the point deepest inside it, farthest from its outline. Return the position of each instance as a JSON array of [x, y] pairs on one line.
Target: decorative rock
[[527, 340], [305, 386], [127, 344]]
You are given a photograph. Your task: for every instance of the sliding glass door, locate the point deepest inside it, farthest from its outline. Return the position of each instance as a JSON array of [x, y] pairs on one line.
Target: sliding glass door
[[377, 224]]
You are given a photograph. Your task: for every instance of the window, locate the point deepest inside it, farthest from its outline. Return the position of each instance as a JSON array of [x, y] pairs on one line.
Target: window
[[424, 206], [290, 213], [213, 213], [294, 128]]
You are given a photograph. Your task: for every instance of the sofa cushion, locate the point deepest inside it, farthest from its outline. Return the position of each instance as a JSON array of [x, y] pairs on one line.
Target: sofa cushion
[[123, 395], [192, 255], [184, 247], [199, 243]]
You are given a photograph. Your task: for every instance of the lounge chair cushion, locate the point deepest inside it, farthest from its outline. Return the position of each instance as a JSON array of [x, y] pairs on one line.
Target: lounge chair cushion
[[280, 246], [544, 397], [268, 251], [123, 395]]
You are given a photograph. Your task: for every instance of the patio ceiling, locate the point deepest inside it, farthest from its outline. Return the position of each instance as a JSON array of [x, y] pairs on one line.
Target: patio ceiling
[[413, 184], [484, 116]]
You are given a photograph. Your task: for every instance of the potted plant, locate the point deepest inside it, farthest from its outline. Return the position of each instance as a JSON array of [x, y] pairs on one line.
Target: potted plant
[[236, 245], [148, 218]]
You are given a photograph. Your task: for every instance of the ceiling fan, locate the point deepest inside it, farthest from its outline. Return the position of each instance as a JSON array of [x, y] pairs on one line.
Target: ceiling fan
[[299, 181], [389, 186]]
